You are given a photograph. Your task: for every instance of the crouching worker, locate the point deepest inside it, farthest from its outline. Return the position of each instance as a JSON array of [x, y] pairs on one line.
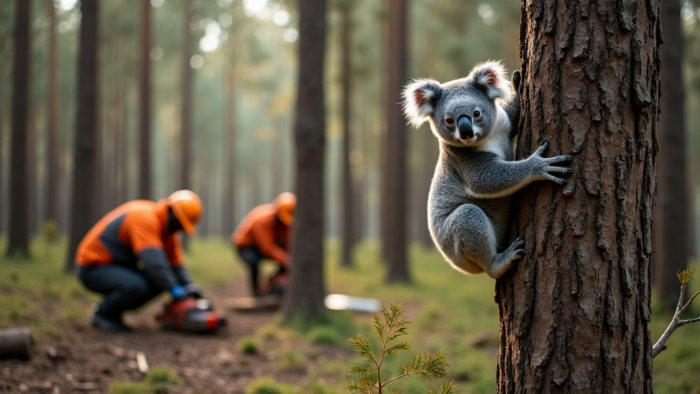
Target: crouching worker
[[134, 253], [264, 234]]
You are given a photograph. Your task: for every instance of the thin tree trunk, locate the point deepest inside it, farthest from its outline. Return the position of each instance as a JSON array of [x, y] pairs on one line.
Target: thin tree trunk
[[31, 168], [396, 230], [307, 291], [84, 174], [145, 102], [18, 241], [186, 111], [671, 217], [53, 121], [3, 188], [347, 210], [229, 146], [575, 311]]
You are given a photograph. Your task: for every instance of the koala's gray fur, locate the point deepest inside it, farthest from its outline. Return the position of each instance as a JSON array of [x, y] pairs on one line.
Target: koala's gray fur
[[475, 120]]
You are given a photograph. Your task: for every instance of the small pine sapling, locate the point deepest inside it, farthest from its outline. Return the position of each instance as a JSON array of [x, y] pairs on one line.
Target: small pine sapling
[[389, 326], [684, 276]]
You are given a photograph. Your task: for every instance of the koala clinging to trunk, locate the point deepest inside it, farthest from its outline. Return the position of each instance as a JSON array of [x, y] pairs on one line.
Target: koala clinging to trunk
[[475, 120]]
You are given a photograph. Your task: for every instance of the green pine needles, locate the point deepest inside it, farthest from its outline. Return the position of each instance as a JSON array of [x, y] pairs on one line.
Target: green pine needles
[[390, 325]]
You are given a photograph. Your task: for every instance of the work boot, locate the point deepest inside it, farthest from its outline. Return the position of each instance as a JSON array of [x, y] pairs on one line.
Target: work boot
[[108, 324]]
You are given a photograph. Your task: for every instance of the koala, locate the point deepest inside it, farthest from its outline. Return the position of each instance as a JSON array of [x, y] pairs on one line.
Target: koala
[[475, 120]]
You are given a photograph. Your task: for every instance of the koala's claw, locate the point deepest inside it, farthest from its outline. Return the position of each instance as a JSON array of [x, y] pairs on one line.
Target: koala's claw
[[545, 143], [520, 252]]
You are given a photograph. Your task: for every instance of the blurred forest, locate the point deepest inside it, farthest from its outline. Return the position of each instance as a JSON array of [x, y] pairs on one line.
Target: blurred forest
[[243, 64]]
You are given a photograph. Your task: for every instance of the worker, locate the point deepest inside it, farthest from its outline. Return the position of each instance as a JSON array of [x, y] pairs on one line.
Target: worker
[[264, 234], [134, 254]]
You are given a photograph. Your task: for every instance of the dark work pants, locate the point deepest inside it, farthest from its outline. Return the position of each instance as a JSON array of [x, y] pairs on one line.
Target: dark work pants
[[124, 288], [252, 258]]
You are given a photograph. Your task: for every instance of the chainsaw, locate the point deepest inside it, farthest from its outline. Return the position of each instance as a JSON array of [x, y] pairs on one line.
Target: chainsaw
[[191, 315]]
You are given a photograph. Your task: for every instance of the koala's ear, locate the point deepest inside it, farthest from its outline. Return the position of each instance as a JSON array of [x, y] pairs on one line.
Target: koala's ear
[[419, 99], [491, 77]]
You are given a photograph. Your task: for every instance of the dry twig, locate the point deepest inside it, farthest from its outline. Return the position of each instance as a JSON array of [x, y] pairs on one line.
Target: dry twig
[[660, 345]]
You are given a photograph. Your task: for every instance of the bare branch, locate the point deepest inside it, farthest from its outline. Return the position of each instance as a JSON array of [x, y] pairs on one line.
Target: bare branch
[[660, 345]]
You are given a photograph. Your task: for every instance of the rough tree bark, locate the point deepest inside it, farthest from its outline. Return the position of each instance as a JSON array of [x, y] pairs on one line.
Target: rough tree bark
[[671, 216], [186, 109], [52, 125], [307, 291], [18, 240], [84, 163], [347, 209], [145, 102], [575, 311], [395, 227]]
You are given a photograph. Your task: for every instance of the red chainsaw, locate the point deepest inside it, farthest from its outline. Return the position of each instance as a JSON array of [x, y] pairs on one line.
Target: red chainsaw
[[191, 315]]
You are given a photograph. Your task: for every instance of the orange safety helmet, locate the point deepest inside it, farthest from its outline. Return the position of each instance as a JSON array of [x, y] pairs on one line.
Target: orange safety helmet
[[285, 204], [187, 207]]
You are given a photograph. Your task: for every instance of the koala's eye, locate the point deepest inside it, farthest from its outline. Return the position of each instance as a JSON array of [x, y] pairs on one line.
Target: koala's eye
[[449, 121], [477, 113]]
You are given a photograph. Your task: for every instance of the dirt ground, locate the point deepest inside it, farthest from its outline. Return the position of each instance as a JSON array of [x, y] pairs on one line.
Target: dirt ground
[[84, 360]]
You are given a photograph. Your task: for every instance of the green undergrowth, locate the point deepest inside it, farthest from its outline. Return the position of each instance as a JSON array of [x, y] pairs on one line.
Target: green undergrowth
[[449, 311]]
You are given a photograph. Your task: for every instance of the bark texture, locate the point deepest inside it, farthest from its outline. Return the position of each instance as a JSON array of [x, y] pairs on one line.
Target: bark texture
[[672, 215], [84, 163], [307, 291], [18, 240], [395, 197], [575, 311]]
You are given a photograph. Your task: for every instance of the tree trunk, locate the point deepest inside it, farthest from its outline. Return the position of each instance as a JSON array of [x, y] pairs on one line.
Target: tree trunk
[[229, 217], [82, 202], [30, 178], [18, 241], [672, 216], [52, 125], [396, 228], [145, 102], [186, 111], [575, 311], [347, 211], [306, 290]]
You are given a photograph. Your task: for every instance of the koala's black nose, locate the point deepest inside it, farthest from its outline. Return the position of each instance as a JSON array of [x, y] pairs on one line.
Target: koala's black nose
[[464, 125]]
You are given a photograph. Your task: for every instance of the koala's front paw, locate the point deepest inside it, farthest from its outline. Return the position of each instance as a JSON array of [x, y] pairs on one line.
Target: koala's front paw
[[544, 166]]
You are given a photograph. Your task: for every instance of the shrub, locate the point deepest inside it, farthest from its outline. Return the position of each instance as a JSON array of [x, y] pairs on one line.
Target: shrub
[[162, 379], [248, 345], [324, 335], [290, 361]]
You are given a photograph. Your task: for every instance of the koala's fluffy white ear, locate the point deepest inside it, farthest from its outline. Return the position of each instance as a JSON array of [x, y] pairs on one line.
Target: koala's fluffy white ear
[[419, 99], [491, 76]]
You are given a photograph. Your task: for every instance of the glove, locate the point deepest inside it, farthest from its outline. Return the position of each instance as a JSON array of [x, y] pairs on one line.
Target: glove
[[177, 292], [192, 290]]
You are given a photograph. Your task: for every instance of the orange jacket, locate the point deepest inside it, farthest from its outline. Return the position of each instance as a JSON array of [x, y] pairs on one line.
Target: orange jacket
[[136, 230], [262, 229]]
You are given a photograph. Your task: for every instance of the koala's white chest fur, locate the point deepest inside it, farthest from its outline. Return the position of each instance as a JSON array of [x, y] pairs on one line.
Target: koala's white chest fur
[[498, 141]]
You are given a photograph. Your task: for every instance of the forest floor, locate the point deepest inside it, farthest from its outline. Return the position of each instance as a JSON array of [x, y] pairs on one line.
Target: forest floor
[[448, 311], [82, 359]]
